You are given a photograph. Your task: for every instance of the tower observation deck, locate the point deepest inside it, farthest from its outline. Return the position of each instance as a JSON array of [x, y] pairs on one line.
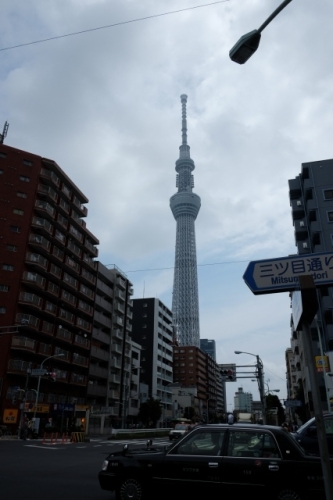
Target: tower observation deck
[[185, 206]]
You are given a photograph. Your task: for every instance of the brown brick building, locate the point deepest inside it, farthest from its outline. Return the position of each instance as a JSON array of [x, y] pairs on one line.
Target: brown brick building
[[47, 283]]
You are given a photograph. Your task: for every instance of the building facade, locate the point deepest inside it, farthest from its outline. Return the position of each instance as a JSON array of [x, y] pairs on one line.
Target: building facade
[[153, 331], [311, 200], [243, 401], [208, 346], [185, 206], [47, 287]]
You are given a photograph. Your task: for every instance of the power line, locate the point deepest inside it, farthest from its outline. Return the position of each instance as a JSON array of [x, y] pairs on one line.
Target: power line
[[173, 267], [112, 25]]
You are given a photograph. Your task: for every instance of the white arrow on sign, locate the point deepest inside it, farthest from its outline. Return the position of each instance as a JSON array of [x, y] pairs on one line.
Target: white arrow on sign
[[281, 275]]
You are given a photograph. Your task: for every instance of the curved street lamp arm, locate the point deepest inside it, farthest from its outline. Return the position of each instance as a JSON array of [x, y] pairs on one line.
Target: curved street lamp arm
[[273, 15]]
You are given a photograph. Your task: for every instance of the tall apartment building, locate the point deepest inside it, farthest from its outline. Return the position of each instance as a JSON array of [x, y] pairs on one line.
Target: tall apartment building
[[112, 371], [47, 285], [152, 329], [311, 200]]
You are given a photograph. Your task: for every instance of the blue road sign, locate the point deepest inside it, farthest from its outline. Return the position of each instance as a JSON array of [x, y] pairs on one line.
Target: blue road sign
[[281, 275]]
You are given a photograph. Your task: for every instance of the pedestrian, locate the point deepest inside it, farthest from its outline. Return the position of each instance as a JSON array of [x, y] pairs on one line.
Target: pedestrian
[[30, 432], [230, 419], [24, 432]]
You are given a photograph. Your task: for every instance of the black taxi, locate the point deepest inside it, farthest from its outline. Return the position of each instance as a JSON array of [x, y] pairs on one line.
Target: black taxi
[[255, 461]]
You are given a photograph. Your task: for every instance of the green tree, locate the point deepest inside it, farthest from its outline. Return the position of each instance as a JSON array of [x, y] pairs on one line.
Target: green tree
[[150, 412]]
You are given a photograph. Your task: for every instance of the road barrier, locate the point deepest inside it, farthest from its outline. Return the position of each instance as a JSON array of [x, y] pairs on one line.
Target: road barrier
[[77, 437], [65, 438]]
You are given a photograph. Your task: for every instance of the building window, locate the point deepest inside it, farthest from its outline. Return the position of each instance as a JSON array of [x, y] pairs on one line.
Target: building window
[[1, 171], [3, 155], [4, 288], [2, 310], [18, 211], [7, 267], [11, 248], [144, 305], [24, 178], [27, 162], [15, 229], [328, 194], [21, 194], [330, 216]]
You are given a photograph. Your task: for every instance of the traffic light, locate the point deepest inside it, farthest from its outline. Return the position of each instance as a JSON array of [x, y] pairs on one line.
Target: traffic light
[[228, 374], [51, 376]]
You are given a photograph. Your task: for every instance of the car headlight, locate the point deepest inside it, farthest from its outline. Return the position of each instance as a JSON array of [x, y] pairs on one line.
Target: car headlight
[[105, 465]]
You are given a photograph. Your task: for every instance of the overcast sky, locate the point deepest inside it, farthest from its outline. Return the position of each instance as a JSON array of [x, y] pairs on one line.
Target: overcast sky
[[105, 105]]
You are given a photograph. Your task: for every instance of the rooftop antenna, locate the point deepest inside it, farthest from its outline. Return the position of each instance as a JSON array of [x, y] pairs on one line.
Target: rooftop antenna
[[4, 132]]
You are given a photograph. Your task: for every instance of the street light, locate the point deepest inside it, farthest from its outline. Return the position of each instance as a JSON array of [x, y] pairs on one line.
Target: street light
[[248, 44], [38, 385], [260, 376]]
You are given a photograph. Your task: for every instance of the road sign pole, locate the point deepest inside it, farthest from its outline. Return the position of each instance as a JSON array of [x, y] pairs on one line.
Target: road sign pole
[[307, 284]]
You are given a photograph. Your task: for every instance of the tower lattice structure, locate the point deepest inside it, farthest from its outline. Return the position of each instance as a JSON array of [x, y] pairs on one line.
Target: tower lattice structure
[[185, 206]]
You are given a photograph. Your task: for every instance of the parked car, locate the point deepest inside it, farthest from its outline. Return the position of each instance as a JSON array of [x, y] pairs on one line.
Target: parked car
[[242, 461], [307, 437], [178, 431]]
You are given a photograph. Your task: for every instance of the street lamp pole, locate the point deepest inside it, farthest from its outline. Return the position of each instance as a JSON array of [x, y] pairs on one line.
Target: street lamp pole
[[248, 44], [38, 385], [261, 383]]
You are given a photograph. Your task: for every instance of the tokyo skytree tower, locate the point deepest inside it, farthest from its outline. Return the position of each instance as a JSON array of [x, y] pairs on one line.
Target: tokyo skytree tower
[[185, 206]]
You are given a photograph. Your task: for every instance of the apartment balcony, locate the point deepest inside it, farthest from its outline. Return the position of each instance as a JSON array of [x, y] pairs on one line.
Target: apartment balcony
[[88, 260], [101, 336], [18, 366], [27, 320], [44, 209], [115, 363], [113, 394], [81, 341], [118, 334], [74, 248], [64, 334], [66, 355], [69, 280], [24, 343], [87, 292], [48, 328], [102, 319], [34, 280], [86, 308], [297, 209], [119, 308], [66, 191], [118, 320], [115, 379], [116, 348], [72, 264], [53, 288], [76, 234], [98, 372], [68, 297], [120, 295], [88, 276], [77, 359], [50, 177], [92, 249], [42, 224], [78, 379], [39, 241], [82, 208], [47, 192], [64, 206], [121, 283], [96, 390], [98, 353], [66, 316], [45, 349], [62, 375], [62, 221], [31, 299], [36, 259], [83, 324]]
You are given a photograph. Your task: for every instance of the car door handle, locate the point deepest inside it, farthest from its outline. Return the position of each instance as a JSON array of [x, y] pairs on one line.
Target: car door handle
[[213, 464], [273, 467]]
